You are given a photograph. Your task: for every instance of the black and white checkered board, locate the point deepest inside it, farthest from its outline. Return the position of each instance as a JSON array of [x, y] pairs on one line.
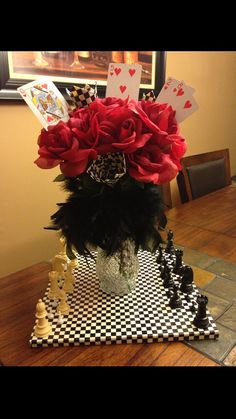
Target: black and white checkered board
[[144, 315]]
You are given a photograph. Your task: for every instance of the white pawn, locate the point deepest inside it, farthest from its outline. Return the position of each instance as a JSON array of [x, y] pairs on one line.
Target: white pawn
[[71, 266], [63, 307], [69, 277], [42, 328], [50, 314], [54, 291], [55, 302], [68, 284], [60, 318]]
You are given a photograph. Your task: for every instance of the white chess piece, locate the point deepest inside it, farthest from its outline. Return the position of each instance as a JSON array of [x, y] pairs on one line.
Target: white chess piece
[[59, 263], [69, 277], [63, 306], [50, 314], [55, 302], [54, 291], [43, 327], [73, 264], [60, 318], [63, 247], [68, 284]]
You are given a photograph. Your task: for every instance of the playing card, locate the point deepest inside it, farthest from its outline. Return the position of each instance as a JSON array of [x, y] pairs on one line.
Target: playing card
[[179, 96], [123, 80], [186, 107], [45, 100], [167, 90]]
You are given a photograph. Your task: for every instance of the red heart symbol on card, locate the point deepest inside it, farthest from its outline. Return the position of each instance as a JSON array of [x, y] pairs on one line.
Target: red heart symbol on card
[[180, 92], [117, 70], [165, 87], [44, 86], [111, 73], [132, 71], [49, 119], [123, 88], [174, 90], [187, 104]]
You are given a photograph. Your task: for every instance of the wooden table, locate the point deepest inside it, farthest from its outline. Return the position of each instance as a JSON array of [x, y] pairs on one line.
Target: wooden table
[[207, 224]]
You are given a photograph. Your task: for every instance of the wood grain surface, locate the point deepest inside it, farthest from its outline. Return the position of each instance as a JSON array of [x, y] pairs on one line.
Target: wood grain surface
[[207, 224]]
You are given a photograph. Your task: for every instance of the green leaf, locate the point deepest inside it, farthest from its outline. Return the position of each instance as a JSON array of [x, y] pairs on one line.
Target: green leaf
[[60, 178]]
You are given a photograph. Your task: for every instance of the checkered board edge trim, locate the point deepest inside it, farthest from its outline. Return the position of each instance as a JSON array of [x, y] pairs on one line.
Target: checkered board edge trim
[[142, 316]]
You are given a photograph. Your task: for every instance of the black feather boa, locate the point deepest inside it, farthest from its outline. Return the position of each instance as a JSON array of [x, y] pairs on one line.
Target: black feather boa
[[105, 216]]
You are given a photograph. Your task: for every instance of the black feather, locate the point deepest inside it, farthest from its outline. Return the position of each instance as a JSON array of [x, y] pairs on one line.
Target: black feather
[[105, 216]]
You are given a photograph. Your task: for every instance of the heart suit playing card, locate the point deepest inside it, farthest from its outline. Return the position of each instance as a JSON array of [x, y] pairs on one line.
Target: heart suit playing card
[[179, 96], [45, 100], [123, 80]]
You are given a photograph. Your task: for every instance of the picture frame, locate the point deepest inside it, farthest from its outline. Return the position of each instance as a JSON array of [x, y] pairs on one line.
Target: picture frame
[[66, 68]]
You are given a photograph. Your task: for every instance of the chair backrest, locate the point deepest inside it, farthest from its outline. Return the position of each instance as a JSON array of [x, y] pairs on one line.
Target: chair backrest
[[166, 195], [203, 173]]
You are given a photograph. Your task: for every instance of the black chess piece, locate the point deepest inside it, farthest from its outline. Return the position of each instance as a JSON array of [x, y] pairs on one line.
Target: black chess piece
[[192, 307], [163, 269], [168, 280], [169, 292], [175, 301], [186, 279], [201, 320], [170, 244], [179, 262], [170, 235], [160, 257]]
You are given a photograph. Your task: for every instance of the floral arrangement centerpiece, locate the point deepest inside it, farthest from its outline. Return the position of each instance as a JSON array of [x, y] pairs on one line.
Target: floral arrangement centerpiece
[[113, 154]]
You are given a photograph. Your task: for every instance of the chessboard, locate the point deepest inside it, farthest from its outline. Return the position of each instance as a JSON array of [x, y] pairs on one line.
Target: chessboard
[[144, 315]]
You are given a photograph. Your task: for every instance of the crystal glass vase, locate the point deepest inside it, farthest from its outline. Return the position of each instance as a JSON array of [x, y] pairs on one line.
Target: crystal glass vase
[[117, 273]]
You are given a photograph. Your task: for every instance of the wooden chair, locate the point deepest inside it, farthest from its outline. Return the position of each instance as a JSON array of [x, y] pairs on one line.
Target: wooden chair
[[203, 173]]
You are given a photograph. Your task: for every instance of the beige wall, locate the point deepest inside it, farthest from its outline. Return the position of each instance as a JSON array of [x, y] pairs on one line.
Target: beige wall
[[28, 195], [212, 127]]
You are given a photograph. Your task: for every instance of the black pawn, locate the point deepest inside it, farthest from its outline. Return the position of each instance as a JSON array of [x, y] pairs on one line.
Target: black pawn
[[170, 245], [168, 280], [179, 262], [160, 257], [192, 308], [169, 292], [175, 301], [201, 320], [186, 280], [163, 269]]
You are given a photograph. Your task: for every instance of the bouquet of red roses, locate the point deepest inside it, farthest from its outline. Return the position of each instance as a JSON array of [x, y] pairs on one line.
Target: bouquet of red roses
[[113, 154]]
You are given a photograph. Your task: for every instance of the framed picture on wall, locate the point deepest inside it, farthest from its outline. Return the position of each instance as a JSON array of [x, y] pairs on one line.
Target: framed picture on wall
[[66, 68]]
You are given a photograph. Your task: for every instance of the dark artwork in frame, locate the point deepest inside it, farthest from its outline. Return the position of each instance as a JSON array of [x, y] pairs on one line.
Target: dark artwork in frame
[[68, 68]]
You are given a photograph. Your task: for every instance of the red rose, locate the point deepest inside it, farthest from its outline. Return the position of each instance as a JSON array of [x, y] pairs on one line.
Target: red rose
[[59, 145], [117, 127], [149, 164], [162, 115], [107, 103], [159, 160], [147, 133]]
